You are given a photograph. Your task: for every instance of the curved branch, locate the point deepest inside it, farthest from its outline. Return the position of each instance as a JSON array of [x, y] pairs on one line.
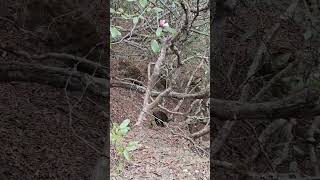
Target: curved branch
[[295, 105], [53, 76], [202, 132], [200, 9], [84, 64], [201, 95]]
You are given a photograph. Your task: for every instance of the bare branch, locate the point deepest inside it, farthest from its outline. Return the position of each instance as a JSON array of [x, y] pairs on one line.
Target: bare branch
[[295, 105], [275, 79], [52, 76], [68, 59], [201, 95]]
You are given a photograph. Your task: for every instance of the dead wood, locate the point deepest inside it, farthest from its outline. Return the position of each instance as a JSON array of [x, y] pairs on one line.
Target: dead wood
[[295, 105], [53, 76]]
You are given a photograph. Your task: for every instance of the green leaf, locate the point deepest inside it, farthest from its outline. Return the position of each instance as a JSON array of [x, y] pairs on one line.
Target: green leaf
[[124, 130], [131, 0], [159, 32], [157, 9], [155, 46], [132, 146], [112, 137], [148, 9], [143, 3], [119, 149], [171, 30], [126, 155], [114, 130], [120, 10], [125, 123], [115, 137], [115, 32], [135, 20], [112, 11], [114, 126]]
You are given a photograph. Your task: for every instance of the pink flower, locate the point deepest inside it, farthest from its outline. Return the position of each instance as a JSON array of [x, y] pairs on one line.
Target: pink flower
[[163, 23]]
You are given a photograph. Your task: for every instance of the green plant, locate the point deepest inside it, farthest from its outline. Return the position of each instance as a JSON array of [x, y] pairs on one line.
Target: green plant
[[141, 11], [118, 133]]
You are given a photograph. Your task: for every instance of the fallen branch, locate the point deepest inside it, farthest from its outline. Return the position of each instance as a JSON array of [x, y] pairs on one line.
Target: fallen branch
[[68, 59], [200, 133], [140, 89], [295, 105], [53, 76]]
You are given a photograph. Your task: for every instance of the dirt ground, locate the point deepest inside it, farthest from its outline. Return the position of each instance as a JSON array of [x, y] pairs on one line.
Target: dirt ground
[[35, 135], [36, 140], [163, 152]]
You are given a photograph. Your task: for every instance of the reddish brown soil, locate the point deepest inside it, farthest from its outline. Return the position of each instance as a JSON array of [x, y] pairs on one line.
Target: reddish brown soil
[[36, 141], [35, 135]]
